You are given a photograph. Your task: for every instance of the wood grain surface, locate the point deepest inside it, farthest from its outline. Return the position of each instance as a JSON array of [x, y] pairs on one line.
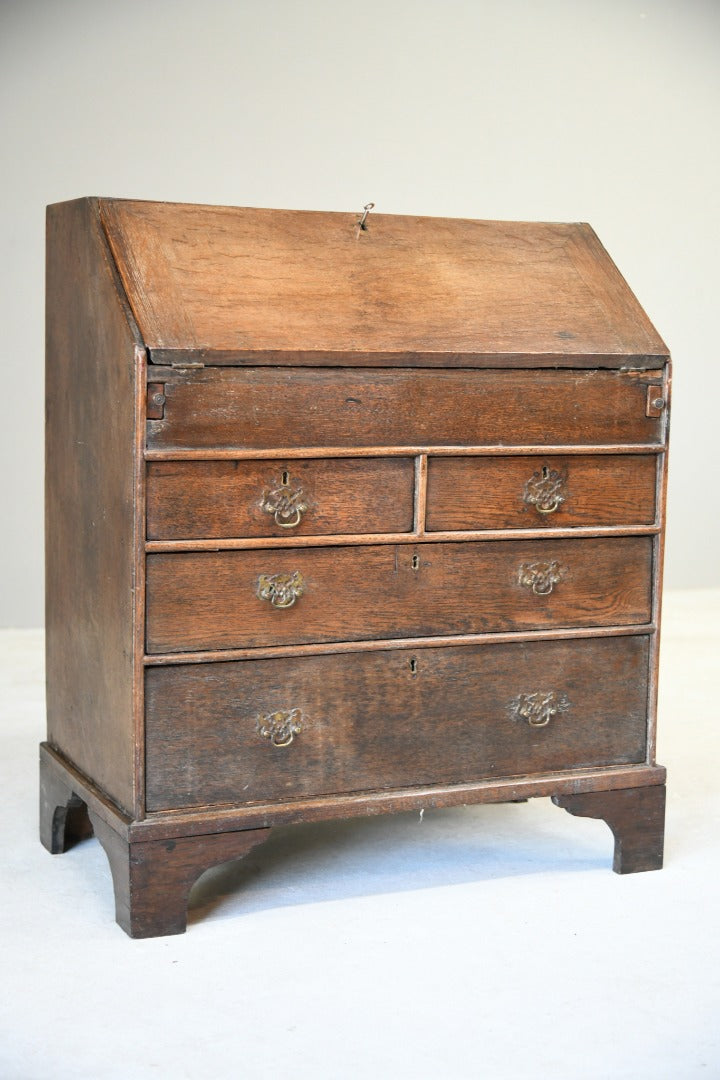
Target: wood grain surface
[[225, 498], [229, 283], [90, 476], [391, 719], [209, 600], [266, 408], [488, 493]]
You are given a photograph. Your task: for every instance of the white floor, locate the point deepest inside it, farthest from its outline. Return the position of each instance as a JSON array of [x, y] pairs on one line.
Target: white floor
[[484, 942]]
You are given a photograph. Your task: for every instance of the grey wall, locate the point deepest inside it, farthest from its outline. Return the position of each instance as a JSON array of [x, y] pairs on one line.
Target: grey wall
[[565, 110]]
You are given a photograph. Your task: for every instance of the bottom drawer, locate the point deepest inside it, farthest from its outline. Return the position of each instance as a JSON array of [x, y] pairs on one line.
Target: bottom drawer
[[267, 730]]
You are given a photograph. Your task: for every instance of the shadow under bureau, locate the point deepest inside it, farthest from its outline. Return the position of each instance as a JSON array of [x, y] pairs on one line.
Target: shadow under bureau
[[342, 520]]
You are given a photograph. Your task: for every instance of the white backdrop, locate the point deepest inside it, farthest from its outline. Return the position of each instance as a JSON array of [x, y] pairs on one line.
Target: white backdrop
[[604, 111]]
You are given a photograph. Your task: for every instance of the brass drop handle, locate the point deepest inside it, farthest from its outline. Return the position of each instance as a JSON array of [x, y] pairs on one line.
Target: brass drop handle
[[280, 728], [286, 504], [291, 522], [540, 577], [545, 490], [550, 509], [538, 709], [282, 590]]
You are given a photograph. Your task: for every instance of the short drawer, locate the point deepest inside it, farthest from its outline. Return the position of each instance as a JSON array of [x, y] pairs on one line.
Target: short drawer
[[265, 408], [233, 599], [216, 499], [257, 730], [530, 492]]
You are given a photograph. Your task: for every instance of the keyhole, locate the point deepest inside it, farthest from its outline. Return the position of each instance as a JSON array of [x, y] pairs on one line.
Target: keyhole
[[545, 472], [413, 665], [285, 478], [415, 562]]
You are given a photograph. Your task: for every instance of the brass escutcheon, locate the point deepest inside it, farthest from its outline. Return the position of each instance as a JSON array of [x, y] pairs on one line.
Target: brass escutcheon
[[280, 727], [541, 577], [282, 590], [287, 505], [538, 708], [545, 490]]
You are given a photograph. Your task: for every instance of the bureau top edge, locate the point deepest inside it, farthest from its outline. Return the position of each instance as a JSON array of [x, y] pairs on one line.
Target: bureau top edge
[[231, 286], [188, 358]]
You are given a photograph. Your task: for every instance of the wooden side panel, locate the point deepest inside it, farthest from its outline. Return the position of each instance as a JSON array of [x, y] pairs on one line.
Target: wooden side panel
[[490, 493], [216, 499], [90, 477], [265, 409], [390, 719], [210, 600]]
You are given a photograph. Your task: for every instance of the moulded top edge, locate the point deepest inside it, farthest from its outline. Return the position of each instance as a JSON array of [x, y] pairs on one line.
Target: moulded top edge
[[184, 358]]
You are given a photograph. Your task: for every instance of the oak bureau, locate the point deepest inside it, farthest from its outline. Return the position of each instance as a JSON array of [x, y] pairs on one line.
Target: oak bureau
[[344, 517]]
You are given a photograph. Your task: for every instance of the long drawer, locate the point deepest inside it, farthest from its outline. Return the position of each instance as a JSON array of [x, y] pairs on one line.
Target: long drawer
[[215, 499], [265, 408], [531, 492], [257, 730], [232, 599]]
